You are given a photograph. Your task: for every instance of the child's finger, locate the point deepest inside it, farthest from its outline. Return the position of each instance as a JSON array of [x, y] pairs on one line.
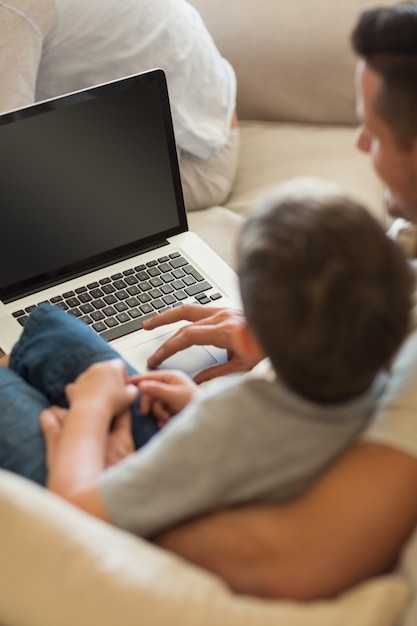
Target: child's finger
[[158, 390]]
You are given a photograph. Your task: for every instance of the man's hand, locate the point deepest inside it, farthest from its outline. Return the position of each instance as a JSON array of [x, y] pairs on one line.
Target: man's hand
[[210, 326], [165, 393]]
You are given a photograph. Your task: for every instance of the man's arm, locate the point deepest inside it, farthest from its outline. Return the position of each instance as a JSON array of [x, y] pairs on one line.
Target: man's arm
[[351, 525]]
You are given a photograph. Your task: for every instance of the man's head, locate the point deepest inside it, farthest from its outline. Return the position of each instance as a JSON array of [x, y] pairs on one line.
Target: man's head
[[386, 83], [326, 294]]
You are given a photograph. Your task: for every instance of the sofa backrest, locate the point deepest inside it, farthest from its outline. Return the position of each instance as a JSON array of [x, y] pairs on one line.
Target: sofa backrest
[[292, 58]]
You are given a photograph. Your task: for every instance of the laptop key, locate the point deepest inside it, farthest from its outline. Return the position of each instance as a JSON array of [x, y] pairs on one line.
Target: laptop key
[[97, 316], [99, 326], [98, 304], [134, 312], [72, 302], [85, 297], [193, 272], [122, 294], [124, 329], [108, 288], [169, 299], [111, 322], [97, 293], [123, 317], [198, 288], [178, 262]]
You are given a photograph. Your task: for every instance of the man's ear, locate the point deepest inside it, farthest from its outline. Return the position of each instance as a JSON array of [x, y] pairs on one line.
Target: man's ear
[[248, 344]]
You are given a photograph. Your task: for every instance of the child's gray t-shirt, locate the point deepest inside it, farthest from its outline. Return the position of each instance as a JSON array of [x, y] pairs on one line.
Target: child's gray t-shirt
[[242, 440]]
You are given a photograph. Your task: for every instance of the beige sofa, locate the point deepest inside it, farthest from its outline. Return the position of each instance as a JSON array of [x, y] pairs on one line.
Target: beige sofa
[[296, 102], [296, 106]]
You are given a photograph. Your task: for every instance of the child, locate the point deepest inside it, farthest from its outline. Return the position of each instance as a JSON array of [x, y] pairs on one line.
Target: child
[[327, 297]]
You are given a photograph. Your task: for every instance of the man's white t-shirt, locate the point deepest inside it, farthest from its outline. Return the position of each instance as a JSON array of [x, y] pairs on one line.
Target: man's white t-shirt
[[58, 46]]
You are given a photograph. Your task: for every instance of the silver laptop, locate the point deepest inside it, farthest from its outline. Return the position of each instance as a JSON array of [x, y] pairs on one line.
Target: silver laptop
[[93, 219]]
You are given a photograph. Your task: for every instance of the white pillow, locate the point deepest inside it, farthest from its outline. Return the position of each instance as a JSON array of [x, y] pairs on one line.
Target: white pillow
[[60, 567]]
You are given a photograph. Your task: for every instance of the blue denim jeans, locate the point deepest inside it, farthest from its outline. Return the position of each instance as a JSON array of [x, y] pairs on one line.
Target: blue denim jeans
[[52, 351]]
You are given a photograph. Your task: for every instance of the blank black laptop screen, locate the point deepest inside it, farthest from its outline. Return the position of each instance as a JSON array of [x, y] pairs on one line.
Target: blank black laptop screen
[[86, 178]]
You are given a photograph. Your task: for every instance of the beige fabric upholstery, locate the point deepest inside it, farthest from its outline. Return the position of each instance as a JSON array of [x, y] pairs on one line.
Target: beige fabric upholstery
[[61, 567], [25, 64], [296, 104], [292, 58], [220, 228], [273, 152]]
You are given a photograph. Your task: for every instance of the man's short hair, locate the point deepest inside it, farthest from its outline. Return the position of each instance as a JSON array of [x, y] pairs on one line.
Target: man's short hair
[[326, 293], [386, 38]]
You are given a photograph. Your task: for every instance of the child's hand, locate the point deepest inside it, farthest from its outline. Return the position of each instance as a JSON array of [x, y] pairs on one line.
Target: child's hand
[[120, 441], [103, 388], [165, 393]]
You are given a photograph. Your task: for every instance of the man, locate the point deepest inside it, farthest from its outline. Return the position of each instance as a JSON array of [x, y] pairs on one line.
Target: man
[[352, 523], [52, 47]]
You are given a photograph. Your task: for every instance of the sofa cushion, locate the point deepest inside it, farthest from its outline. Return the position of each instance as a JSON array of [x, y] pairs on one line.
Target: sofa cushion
[[271, 153], [293, 59], [61, 567], [219, 228]]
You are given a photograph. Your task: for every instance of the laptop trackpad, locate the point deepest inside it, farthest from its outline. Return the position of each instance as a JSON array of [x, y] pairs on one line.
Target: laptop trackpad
[[191, 360]]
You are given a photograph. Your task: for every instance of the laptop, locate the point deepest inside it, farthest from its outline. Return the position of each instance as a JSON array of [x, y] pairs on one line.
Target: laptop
[[93, 219]]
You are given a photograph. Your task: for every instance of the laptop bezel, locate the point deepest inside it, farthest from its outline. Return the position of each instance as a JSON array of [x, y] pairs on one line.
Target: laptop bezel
[[42, 281]]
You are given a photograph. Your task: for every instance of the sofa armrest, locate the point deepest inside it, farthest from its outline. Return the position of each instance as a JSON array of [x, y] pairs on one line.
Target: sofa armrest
[[61, 566]]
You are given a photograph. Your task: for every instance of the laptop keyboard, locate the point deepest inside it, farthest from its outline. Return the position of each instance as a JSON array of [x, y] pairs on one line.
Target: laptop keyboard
[[118, 305]]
